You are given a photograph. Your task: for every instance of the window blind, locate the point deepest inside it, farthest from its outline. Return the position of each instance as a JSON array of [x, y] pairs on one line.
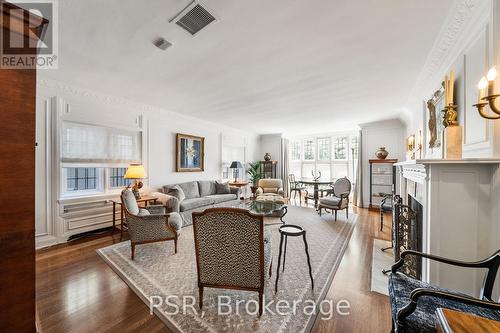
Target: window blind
[[89, 144]]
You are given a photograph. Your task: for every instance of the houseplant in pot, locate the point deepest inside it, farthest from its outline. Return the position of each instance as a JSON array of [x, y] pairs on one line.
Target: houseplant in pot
[[253, 171]]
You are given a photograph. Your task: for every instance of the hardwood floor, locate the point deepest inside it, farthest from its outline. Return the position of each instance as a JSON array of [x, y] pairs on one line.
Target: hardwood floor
[[77, 292]]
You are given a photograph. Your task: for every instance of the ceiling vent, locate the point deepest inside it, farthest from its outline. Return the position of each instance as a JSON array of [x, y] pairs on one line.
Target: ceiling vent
[[193, 18], [162, 43]]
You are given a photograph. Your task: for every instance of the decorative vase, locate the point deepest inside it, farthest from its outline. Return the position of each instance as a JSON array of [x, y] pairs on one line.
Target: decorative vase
[[382, 153], [267, 157]]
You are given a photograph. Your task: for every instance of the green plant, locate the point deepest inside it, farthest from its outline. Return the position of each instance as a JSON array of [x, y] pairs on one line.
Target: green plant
[[254, 172]]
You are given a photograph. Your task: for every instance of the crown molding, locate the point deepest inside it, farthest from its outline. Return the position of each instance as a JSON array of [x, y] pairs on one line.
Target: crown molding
[[464, 21], [93, 95]]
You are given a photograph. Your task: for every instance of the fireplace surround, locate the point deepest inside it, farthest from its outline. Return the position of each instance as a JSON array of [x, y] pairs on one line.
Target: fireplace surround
[[457, 201]]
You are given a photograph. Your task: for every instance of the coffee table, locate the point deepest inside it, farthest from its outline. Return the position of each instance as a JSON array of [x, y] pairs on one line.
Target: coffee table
[[264, 208]]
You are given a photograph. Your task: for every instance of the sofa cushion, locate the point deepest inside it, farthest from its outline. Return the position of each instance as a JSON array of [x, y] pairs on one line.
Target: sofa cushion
[[190, 189], [270, 190], [423, 318], [176, 191], [207, 187], [218, 198], [193, 203], [223, 188]]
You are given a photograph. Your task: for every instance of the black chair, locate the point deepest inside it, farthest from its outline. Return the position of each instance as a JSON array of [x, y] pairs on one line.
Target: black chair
[[414, 302], [295, 187], [385, 206]]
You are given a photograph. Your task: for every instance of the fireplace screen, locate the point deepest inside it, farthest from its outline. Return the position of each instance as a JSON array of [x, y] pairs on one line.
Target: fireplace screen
[[408, 235]]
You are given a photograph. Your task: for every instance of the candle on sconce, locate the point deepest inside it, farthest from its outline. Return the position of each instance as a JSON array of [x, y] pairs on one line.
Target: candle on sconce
[[451, 86], [446, 91], [482, 85], [491, 76]]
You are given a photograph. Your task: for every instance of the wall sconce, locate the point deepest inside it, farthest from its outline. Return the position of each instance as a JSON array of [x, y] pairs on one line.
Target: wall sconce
[[488, 83], [414, 144]]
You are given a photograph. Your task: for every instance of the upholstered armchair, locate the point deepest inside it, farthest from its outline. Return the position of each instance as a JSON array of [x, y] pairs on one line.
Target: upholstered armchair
[[233, 251], [149, 224], [414, 302], [338, 197], [270, 186]]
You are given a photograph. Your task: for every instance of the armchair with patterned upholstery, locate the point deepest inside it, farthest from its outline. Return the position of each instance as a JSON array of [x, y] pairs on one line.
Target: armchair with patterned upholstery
[[149, 224], [338, 198], [233, 251], [414, 302], [270, 186]]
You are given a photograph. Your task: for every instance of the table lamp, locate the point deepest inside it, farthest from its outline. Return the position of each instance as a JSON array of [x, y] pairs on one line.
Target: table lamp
[[236, 165], [135, 172]]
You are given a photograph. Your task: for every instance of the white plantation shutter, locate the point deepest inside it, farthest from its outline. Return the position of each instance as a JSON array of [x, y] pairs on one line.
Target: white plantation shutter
[[91, 144]]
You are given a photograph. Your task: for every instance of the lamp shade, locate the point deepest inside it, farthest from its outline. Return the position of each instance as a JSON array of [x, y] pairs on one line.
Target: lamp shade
[[135, 171], [236, 165]]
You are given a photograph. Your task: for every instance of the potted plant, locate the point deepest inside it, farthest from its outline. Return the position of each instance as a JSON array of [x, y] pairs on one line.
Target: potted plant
[[253, 171]]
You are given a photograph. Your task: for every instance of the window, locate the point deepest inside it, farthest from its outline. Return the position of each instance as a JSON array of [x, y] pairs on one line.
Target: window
[[355, 147], [116, 178], [340, 148], [295, 151], [309, 150], [94, 158], [333, 156], [82, 179], [324, 149]]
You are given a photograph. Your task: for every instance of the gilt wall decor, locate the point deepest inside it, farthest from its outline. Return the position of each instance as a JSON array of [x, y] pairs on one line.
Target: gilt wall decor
[[190, 152], [435, 124]]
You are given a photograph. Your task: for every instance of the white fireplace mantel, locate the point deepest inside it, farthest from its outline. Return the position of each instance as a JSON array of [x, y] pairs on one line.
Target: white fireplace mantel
[[458, 218]]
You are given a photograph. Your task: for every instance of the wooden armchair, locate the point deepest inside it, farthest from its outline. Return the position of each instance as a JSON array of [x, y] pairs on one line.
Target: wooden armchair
[[414, 303], [232, 250], [295, 187], [149, 224]]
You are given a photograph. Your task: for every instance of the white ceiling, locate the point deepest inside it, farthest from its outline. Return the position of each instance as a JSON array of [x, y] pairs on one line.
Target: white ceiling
[[290, 66]]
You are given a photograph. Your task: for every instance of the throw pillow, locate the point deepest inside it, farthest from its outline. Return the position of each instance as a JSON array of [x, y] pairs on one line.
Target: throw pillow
[[223, 188], [176, 191]]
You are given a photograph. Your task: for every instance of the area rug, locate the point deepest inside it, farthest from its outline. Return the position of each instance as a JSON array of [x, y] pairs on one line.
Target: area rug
[[381, 260], [157, 273]]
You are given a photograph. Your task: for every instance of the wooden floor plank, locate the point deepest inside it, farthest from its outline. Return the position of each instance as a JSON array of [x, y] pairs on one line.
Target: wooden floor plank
[[78, 292]]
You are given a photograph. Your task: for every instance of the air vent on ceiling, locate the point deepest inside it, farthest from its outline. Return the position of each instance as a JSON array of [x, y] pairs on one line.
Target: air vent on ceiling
[[162, 43], [195, 19]]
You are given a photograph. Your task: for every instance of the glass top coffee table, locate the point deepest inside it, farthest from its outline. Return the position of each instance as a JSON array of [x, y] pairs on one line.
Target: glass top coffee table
[[264, 208]]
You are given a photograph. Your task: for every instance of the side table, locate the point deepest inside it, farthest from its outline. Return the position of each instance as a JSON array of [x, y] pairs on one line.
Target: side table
[[241, 185], [292, 231], [451, 321], [146, 199]]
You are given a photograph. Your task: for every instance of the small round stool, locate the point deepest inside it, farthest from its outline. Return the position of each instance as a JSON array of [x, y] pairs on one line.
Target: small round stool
[[292, 231]]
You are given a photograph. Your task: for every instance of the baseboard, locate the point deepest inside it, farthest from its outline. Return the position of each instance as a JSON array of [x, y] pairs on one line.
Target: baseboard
[[45, 241]]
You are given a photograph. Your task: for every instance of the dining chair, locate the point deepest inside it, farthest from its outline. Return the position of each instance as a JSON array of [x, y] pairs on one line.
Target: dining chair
[[338, 199], [295, 187]]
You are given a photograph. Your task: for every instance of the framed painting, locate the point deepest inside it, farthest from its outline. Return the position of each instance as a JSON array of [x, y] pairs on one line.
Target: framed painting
[[435, 125], [190, 151]]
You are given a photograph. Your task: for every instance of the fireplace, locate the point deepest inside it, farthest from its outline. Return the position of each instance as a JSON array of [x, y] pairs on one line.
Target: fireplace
[[408, 235]]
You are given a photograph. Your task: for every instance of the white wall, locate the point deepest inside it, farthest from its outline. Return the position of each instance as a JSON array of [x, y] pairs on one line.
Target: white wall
[[57, 102], [469, 44], [389, 134]]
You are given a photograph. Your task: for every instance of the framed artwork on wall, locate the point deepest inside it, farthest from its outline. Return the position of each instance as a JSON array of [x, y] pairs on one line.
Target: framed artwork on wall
[[435, 125], [190, 153]]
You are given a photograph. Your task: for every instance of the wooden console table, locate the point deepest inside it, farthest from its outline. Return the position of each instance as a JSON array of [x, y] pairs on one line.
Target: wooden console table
[[145, 199], [450, 321]]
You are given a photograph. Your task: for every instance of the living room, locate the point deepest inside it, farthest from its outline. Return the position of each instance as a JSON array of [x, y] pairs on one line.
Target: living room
[[182, 167]]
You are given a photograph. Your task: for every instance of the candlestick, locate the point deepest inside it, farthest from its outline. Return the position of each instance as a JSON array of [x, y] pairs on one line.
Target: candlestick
[[483, 83], [451, 86]]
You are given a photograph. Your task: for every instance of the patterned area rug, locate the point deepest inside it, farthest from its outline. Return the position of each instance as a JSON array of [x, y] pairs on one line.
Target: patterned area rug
[[156, 271]]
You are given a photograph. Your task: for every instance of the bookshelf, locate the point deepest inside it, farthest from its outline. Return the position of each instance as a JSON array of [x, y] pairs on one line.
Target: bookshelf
[[382, 180]]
